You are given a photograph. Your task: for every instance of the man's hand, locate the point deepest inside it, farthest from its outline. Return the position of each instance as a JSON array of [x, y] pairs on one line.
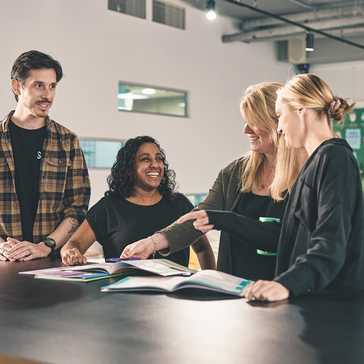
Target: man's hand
[[5, 246], [270, 291], [72, 256], [25, 250]]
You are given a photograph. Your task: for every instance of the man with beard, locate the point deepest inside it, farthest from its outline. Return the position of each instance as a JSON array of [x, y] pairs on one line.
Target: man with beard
[[44, 184]]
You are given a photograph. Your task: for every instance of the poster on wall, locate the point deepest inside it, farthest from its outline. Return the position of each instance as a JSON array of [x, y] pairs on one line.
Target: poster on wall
[[352, 129]]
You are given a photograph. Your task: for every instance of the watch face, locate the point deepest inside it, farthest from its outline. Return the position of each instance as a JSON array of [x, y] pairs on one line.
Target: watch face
[[51, 243]]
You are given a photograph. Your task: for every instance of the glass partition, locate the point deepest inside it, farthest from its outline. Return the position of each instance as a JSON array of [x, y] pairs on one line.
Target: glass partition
[[100, 153]]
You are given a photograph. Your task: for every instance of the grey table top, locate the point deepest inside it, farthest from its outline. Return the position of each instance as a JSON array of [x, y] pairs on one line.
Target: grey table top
[[62, 322]]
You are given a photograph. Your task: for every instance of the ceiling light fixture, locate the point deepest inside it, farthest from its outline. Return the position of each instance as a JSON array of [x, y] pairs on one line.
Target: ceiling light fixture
[[131, 96], [211, 13], [310, 40], [148, 91]]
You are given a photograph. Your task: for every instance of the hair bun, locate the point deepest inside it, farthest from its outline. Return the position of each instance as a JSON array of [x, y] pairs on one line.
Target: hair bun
[[338, 107]]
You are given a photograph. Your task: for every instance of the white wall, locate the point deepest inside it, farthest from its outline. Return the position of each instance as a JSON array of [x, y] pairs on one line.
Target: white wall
[[346, 79], [98, 47]]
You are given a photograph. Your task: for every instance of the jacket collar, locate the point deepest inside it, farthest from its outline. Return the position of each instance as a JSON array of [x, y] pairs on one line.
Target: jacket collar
[[5, 123]]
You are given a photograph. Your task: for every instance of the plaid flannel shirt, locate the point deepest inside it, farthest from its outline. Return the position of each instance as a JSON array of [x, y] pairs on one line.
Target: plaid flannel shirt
[[64, 186]]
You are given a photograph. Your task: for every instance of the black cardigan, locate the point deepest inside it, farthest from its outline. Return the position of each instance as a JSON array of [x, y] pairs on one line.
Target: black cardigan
[[321, 244]]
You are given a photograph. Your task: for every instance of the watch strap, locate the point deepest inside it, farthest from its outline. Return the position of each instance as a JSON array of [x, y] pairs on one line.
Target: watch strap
[[50, 243]]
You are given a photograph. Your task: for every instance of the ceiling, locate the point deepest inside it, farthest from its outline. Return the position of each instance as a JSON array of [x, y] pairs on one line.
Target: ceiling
[[279, 7], [341, 19]]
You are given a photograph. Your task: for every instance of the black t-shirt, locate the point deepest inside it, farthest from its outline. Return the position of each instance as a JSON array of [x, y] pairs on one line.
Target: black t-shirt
[[117, 222], [245, 260], [27, 145]]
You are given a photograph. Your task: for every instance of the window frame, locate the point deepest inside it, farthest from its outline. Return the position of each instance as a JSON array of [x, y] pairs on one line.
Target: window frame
[[185, 92], [96, 139]]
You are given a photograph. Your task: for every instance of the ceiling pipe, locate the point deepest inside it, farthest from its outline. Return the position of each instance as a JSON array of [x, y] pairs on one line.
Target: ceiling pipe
[[303, 17], [283, 31], [305, 27], [352, 31], [303, 4]]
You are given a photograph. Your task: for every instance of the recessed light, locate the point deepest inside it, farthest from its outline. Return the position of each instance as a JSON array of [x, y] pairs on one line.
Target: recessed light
[[148, 91]]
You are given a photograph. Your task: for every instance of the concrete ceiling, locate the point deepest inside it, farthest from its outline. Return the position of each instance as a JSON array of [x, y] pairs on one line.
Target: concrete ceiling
[[343, 19], [279, 7]]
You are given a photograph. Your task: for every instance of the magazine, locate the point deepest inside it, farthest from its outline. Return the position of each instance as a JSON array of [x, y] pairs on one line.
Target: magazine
[[72, 275], [91, 272], [207, 279]]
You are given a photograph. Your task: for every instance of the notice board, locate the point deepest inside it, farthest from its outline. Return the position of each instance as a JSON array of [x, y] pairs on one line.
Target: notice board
[[352, 129]]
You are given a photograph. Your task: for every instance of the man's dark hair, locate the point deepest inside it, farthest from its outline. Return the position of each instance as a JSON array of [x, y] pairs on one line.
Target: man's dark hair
[[34, 60], [122, 180]]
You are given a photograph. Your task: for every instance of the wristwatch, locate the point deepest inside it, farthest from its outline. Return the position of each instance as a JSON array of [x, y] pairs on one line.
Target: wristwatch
[[50, 243]]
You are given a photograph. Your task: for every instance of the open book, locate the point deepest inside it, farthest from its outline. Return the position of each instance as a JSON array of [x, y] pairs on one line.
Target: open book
[[207, 279], [62, 274], [92, 272]]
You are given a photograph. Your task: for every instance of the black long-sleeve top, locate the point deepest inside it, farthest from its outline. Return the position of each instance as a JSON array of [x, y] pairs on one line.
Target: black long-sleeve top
[[321, 244], [249, 236]]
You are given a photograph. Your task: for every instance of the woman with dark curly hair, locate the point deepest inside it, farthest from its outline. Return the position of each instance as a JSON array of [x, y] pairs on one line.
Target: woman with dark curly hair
[[140, 201], [123, 178]]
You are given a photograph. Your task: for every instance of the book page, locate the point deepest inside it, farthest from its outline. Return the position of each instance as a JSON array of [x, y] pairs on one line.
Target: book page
[[104, 267], [162, 267], [39, 271], [219, 281], [164, 284], [71, 274]]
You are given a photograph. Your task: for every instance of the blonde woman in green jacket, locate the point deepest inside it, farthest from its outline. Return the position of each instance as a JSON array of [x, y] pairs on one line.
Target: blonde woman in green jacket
[[241, 193]]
